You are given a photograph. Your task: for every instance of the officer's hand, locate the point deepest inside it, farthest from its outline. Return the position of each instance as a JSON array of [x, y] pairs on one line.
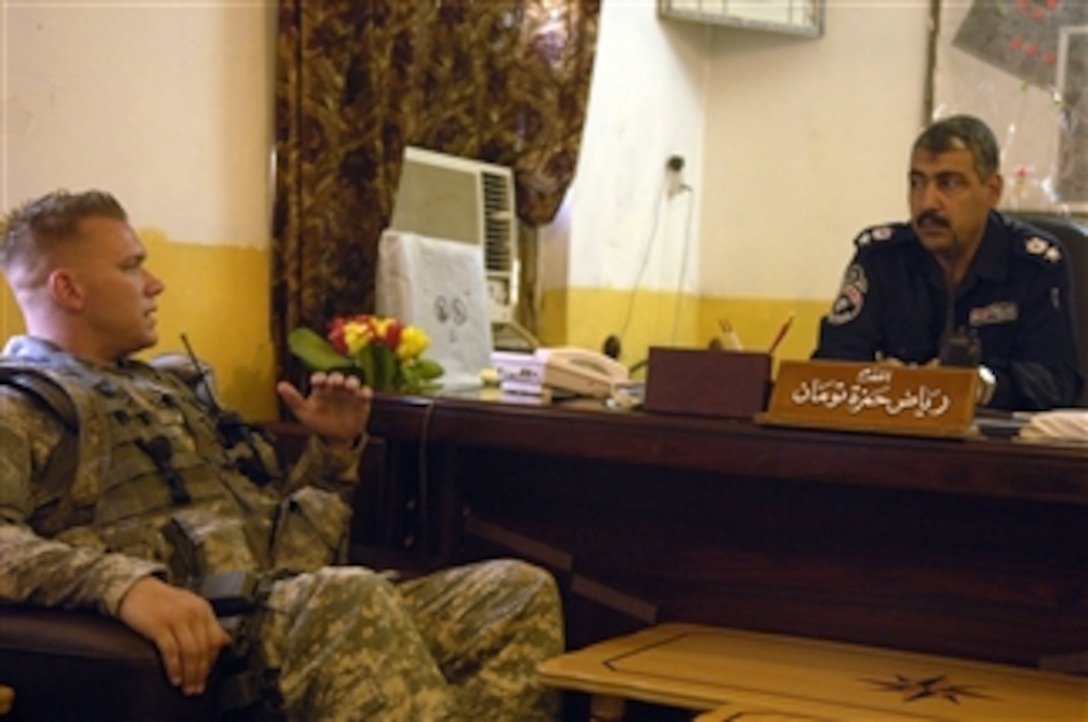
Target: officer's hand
[[183, 627], [337, 408]]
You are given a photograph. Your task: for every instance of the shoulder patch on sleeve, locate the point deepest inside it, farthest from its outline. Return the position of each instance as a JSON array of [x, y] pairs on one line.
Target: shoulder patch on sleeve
[[851, 297]]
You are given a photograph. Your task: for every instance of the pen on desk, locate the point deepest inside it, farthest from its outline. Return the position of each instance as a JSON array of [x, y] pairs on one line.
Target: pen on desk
[[782, 330], [731, 339]]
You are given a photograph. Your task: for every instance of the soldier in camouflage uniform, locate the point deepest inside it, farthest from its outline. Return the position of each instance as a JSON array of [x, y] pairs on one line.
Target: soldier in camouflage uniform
[[152, 501]]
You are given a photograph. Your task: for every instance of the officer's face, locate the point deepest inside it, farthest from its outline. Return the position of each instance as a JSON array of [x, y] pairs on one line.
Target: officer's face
[[116, 294], [949, 203]]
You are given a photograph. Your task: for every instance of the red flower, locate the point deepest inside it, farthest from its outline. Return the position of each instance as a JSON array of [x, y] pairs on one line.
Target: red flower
[[336, 335]]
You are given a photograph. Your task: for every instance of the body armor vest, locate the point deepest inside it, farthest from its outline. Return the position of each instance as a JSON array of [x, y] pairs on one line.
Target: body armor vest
[[150, 477]]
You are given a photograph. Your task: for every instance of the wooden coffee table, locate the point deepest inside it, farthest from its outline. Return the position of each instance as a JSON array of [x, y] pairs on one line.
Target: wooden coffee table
[[732, 674]]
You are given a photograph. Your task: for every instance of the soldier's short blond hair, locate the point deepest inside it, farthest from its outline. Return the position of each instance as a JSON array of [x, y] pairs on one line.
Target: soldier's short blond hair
[[35, 227]]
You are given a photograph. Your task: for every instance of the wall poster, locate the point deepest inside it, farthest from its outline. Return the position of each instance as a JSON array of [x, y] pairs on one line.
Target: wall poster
[[1022, 66]]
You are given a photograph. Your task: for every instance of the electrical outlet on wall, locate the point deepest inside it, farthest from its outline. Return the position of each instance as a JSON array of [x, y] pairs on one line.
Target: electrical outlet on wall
[[674, 176]]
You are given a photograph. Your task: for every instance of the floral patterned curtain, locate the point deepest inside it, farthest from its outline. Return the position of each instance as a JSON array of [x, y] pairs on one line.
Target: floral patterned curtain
[[505, 81]]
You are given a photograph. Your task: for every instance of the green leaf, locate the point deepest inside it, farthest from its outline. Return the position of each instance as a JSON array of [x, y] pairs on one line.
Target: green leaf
[[385, 367], [427, 369], [315, 351]]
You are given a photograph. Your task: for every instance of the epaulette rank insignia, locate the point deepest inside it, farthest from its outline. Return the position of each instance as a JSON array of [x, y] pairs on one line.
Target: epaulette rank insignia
[[1041, 247], [880, 233]]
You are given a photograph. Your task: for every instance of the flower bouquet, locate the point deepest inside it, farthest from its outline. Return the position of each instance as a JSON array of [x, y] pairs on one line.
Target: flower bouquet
[[384, 353]]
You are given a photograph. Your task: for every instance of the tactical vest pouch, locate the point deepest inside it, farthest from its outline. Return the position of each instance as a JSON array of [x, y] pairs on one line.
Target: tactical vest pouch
[[310, 530], [205, 543]]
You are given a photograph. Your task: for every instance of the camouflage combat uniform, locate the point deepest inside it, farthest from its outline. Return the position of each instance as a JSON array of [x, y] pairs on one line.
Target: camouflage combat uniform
[[154, 492]]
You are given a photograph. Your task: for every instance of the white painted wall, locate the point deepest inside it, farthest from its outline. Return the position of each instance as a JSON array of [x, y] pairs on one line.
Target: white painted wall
[[646, 104], [808, 141], [793, 144], [166, 104]]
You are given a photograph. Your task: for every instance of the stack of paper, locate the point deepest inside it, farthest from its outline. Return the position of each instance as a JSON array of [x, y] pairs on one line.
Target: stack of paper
[[520, 374], [1062, 425]]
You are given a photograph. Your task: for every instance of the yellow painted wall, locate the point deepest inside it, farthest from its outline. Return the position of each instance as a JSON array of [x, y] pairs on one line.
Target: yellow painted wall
[[11, 322], [586, 316], [218, 296]]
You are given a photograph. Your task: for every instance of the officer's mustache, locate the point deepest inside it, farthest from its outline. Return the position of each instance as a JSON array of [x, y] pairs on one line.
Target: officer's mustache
[[931, 217]]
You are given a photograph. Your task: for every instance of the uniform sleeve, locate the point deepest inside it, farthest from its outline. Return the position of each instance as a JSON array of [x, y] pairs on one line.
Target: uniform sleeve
[[335, 470], [1043, 371], [851, 329], [42, 571]]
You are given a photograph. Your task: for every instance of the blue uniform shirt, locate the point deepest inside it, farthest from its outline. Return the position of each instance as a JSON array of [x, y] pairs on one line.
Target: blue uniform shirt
[[1016, 297]]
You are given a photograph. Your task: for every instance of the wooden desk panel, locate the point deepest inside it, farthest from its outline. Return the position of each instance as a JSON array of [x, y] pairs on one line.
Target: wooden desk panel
[[975, 548], [584, 430]]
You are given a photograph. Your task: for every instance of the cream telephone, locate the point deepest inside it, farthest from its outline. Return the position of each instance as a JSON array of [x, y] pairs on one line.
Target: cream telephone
[[580, 371]]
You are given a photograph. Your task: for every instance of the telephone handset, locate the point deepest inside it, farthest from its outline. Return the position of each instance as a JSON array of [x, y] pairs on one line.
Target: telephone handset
[[581, 371]]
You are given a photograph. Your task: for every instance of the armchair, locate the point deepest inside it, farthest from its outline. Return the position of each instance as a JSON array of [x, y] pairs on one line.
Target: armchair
[[1074, 237], [67, 666]]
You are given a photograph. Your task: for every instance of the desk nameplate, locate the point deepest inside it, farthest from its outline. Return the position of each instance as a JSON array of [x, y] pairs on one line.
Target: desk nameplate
[[726, 384], [881, 398]]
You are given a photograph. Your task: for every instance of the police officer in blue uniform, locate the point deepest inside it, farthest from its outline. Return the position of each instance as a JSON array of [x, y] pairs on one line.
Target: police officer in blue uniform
[[961, 284]]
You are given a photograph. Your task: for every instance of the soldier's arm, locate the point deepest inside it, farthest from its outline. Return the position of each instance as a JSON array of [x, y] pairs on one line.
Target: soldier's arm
[[52, 573], [41, 571]]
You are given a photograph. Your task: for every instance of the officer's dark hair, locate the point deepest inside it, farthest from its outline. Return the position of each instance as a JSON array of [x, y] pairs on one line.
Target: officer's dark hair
[[963, 132], [38, 225]]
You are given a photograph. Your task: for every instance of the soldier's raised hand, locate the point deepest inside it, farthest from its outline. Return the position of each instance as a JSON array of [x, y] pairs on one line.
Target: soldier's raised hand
[[337, 408]]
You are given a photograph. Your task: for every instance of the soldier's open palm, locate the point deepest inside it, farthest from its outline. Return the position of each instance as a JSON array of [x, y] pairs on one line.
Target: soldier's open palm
[[337, 408]]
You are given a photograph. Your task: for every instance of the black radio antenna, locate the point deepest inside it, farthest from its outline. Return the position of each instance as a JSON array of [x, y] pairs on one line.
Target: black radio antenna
[[202, 376]]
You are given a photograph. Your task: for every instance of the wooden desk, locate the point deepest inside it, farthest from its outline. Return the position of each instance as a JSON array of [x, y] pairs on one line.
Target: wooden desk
[[973, 548]]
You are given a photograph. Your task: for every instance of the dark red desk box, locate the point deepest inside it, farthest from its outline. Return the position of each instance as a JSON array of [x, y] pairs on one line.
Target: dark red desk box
[[728, 384]]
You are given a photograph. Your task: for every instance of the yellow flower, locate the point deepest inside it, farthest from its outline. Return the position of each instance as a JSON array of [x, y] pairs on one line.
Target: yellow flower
[[357, 336], [413, 342]]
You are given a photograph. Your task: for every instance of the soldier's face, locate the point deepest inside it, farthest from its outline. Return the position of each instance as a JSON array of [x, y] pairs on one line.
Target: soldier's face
[[116, 292], [949, 203]]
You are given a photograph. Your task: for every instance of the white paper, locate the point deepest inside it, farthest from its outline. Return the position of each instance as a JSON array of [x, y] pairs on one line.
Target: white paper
[[439, 286], [1062, 425]]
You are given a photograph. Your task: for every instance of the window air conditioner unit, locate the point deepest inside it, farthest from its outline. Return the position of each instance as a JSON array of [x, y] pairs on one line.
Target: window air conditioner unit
[[446, 197]]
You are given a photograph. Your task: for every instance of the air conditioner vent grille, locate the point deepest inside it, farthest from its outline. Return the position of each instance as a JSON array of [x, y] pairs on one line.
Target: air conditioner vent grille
[[497, 222], [467, 201]]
